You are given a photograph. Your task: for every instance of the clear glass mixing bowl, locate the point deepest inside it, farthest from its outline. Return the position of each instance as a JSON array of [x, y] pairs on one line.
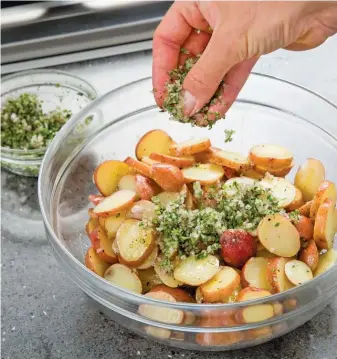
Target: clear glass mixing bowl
[[267, 110]]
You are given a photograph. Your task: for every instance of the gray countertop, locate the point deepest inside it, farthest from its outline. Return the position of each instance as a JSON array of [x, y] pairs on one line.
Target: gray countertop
[[44, 315]]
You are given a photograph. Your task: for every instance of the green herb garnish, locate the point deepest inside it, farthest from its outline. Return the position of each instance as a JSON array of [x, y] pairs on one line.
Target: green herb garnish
[[229, 135]]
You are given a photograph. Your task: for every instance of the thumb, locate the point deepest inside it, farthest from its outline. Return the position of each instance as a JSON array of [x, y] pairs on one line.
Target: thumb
[[205, 76]]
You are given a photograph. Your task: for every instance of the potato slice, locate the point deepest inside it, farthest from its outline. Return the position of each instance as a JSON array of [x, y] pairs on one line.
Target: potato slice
[[153, 141], [250, 293], [279, 236], [280, 188], [326, 190], [157, 332], [276, 276], [308, 178], [95, 263], [149, 279], [175, 161], [115, 203], [233, 185], [254, 273], [108, 174], [190, 147], [305, 209], [103, 245], [124, 277], [251, 173], [112, 223], [161, 314], [304, 227], [95, 199], [150, 260], [326, 261], [298, 272], [138, 166], [128, 182], [165, 198], [203, 157], [92, 214], [309, 255], [147, 160], [297, 202], [146, 188], [232, 160], [282, 172], [91, 225], [221, 285], [271, 156], [193, 271], [207, 173], [167, 278], [169, 177], [178, 294], [135, 243], [325, 224], [264, 253], [142, 210]]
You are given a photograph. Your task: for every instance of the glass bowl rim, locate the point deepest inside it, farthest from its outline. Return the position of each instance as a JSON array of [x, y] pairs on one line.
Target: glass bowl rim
[[19, 152], [138, 299]]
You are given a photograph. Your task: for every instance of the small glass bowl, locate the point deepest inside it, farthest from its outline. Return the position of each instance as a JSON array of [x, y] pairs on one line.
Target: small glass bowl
[[56, 89]]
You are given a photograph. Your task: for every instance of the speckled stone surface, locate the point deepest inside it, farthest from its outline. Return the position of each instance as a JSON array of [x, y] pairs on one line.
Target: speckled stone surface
[[45, 316]]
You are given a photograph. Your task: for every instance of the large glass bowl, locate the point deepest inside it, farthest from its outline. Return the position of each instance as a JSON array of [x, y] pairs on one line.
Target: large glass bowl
[[267, 110]]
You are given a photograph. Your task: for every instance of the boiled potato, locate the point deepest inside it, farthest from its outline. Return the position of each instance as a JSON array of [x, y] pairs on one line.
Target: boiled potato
[[232, 160], [95, 263], [171, 160], [112, 223], [115, 203], [271, 156], [309, 255], [325, 224], [124, 277], [138, 166], [169, 177], [207, 173], [254, 273], [326, 190], [190, 147], [326, 261], [276, 276]]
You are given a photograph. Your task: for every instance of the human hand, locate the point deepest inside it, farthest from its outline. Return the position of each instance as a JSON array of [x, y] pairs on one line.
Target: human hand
[[242, 32]]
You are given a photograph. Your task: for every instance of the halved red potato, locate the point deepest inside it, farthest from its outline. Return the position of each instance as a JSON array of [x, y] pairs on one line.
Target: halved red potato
[[202, 157], [254, 273], [128, 182], [207, 173], [108, 174], [190, 147], [91, 225], [95, 199], [95, 263], [250, 293], [281, 172], [305, 209], [149, 161], [165, 198], [142, 209], [135, 243], [178, 294], [193, 271], [326, 190], [150, 260], [161, 313], [309, 255], [112, 223], [103, 245], [305, 227], [325, 224], [138, 166], [153, 141], [297, 272], [280, 188], [124, 277], [272, 157], [251, 173], [279, 236], [232, 160], [221, 285], [171, 160], [308, 178], [326, 261], [115, 203], [276, 276], [149, 279], [146, 188], [298, 202], [167, 278], [169, 177]]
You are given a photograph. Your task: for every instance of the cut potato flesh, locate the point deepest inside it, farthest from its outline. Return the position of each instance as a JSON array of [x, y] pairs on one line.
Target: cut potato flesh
[[95, 263], [165, 198], [91, 225], [149, 279], [138, 166], [207, 173], [190, 147], [115, 203], [279, 236], [276, 276], [221, 285], [297, 202], [178, 294], [235, 184], [153, 141], [193, 271], [150, 260], [169, 177], [167, 278], [175, 161], [251, 173], [124, 277], [149, 161], [308, 178], [326, 261], [103, 245], [326, 190], [146, 188], [297, 272], [279, 188], [108, 174], [232, 160], [128, 182], [112, 223], [271, 156], [135, 243], [161, 314], [282, 172], [254, 273], [309, 255], [254, 313], [305, 209], [251, 293], [325, 224], [142, 210]]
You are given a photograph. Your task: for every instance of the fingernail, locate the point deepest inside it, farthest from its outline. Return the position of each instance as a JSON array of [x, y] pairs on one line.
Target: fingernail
[[189, 104]]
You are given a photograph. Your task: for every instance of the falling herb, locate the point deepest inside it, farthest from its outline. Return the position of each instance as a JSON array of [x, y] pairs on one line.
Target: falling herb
[[229, 135]]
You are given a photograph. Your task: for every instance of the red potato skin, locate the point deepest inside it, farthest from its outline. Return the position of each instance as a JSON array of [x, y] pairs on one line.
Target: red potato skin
[[229, 172], [95, 199], [169, 177], [305, 228], [178, 294], [309, 255], [146, 188], [237, 246], [96, 245]]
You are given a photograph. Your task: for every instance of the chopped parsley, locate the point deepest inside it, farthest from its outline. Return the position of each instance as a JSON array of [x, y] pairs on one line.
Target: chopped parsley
[[294, 216], [229, 135], [184, 51]]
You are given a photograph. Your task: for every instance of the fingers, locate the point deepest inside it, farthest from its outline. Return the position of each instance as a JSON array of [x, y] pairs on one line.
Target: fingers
[[221, 54], [195, 45]]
